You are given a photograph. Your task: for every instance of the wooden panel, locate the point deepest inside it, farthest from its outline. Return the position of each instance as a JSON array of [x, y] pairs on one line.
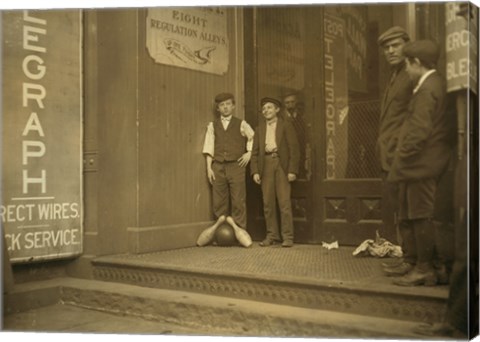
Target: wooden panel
[[90, 130], [283, 45], [350, 207], [117, 127], [348, 234], [352, 187], [175, 106]]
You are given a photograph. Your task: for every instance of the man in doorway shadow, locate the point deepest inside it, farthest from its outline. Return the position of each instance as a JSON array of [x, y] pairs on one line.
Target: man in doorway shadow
[[394, 107]]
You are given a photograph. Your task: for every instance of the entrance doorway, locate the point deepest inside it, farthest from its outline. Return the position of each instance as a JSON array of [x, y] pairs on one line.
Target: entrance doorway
[[328, 58]]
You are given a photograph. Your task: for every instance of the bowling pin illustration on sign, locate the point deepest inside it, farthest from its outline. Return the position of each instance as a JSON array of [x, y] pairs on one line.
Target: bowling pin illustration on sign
[[241, 234], [208, 234]]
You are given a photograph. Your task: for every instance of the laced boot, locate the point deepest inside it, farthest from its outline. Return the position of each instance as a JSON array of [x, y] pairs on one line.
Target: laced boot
[[398, 270], [393, 263], [422, 274]]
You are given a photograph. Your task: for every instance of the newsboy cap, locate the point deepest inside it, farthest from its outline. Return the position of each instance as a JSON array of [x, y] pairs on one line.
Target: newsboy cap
[[392, 33], [270, 100], [223, 97], [426, 51]]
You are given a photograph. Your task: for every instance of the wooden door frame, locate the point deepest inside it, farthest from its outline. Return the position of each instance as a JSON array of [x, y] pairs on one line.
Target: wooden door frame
[[357, 193], [251, 109], [314, 94]]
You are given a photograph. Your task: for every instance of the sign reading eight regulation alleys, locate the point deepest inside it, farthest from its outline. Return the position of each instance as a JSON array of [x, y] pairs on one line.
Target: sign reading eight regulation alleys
[[192, 38]]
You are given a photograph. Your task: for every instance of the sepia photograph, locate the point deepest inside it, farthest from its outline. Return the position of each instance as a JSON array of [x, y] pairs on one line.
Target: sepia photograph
[[279, 170]]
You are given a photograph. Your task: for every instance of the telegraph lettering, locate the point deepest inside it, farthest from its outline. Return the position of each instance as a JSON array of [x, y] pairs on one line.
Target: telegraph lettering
[[333, 28], [42, 239], [39, 212], [14, 213], [57, 211], [50, 238], [13, 241], [330, 97], [33, 97]]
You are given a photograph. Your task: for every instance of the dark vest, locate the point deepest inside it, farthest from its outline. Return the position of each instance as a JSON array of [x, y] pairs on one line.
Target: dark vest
[[229, 144]]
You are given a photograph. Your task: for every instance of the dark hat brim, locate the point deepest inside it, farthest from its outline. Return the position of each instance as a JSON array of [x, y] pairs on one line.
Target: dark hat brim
[[425, 50], [270, 100], [393, 33], [223, 97]]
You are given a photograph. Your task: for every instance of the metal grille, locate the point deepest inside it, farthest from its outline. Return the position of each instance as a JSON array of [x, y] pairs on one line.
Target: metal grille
[[362, 137]]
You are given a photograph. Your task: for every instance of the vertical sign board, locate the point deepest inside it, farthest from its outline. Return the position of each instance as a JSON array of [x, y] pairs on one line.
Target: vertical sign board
[[41, 208], [461, 46], [192, 38], [356, 37], [336, 97], [280, 48]]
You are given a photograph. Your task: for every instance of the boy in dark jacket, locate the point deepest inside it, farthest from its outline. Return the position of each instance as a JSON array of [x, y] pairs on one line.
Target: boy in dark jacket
[[274, 164], [422, 155]]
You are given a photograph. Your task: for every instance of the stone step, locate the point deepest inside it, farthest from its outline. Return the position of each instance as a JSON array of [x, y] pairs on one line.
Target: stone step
[[373, 296], [207, 314]]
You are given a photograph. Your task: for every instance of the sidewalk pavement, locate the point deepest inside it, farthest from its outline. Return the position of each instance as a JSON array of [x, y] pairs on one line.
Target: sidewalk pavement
[[78, 305], [72, 319], [145, 310]]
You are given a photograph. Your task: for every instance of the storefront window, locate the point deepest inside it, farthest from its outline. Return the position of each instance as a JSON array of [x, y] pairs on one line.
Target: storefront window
[[352, 96], [351, 78], [281, 73]]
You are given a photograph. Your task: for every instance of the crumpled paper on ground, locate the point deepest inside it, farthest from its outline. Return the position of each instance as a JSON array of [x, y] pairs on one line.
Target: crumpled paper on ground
[[379, 247], [329, 246]]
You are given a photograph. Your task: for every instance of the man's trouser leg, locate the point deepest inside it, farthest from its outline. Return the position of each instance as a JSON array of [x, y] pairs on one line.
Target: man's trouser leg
[[425, 238], [405, 227], [283, 189], [220, 190], [421, 199], [269, 198], [390, 198], [236, 180], [409, 247]]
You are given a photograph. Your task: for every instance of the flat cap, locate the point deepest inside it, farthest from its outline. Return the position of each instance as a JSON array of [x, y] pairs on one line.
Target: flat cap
[[426, 51], [392, 33], [270, 100], [223, 97]]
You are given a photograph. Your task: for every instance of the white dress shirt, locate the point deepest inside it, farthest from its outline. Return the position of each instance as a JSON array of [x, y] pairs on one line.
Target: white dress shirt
[[270, 142]]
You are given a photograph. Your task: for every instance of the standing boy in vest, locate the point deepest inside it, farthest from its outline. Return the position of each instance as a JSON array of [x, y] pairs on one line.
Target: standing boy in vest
[[275, 160], [228, 149]]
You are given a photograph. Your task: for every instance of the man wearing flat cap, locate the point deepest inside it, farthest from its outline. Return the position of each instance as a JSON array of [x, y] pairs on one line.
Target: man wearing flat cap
[[422, 154], [394, 104], [228, 149], [275, 162]]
